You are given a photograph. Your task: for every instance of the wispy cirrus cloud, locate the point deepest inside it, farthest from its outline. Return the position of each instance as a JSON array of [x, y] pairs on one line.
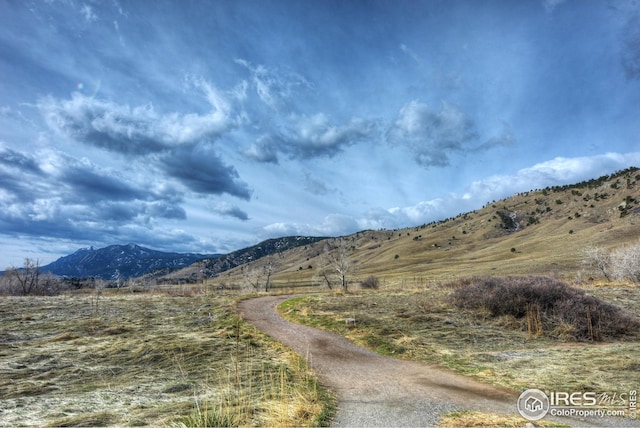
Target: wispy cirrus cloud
[[274, 87], [434, 136], [88, 13]]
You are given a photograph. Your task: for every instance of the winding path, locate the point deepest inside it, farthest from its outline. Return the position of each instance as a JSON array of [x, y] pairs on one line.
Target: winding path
[[374, 390]]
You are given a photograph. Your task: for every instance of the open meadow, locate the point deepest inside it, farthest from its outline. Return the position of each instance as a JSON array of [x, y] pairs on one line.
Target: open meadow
[[535, 350], [179, 357], [182, 356]]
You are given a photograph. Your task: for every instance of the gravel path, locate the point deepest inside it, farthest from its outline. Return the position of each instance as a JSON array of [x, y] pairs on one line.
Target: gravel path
[[374, 390]]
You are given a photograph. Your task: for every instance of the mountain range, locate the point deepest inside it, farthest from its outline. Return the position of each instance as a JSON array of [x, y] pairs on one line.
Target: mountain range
[[212, 267], [120, 262]]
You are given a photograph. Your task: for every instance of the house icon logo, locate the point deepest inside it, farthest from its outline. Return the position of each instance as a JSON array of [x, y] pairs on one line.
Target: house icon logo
[[533, 404]]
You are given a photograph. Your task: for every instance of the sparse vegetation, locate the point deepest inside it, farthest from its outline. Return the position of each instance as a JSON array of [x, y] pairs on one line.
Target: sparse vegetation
[[469, 419], [28, 281], [370, 282], [420, 323], [174, 357]]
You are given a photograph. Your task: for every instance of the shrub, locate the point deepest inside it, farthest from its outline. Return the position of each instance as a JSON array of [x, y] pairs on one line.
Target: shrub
[[371, 282], [547, 304]]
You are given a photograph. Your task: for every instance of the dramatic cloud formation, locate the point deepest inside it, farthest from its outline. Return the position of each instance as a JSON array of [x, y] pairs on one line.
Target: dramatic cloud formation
[[208, 126], [310, 137], [432, 135], [202, 171], [139, 130]]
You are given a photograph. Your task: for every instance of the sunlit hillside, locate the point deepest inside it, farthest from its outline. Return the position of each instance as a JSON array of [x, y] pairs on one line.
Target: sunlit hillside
[[541, 231]]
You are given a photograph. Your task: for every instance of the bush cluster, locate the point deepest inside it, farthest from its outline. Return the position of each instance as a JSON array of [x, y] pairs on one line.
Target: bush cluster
[[371, 282], [560, 310]]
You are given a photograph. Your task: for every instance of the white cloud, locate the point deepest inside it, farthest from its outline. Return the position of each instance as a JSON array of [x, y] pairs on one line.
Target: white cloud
[[332, 225], [88, 14], [278, 229], [306, 137], [558, 171], [432, 136], [404, 48], [264, 150], [139, 129]]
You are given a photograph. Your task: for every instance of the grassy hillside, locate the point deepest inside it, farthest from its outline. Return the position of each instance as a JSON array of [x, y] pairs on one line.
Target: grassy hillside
[[540, 231]]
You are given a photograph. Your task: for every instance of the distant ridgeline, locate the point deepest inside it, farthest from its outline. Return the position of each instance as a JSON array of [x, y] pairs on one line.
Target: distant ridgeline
[[119, 262]]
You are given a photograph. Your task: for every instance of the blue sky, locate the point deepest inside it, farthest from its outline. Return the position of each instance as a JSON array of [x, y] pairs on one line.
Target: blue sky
[[209, 126]]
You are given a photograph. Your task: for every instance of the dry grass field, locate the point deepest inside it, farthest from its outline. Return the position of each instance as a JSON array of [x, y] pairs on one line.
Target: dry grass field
[[420, 323], [177, 358]]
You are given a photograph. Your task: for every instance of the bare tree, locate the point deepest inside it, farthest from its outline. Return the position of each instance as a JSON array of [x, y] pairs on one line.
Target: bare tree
[[336, 265], [620, 264], [8, 283], [250, 278], [259, 277], [625, 263], [598, 259], [268, 268], [98, 286], [27, 278]]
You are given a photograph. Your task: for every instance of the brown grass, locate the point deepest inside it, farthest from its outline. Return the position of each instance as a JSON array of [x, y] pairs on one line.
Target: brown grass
[[420, 324], [145, 359], [469, 419]]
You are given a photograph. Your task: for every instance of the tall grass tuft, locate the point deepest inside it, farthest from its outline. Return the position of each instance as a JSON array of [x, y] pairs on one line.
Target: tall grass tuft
[[254, 393]]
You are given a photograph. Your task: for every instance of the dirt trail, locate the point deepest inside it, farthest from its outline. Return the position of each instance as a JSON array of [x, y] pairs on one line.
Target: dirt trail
[[374, 390]]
